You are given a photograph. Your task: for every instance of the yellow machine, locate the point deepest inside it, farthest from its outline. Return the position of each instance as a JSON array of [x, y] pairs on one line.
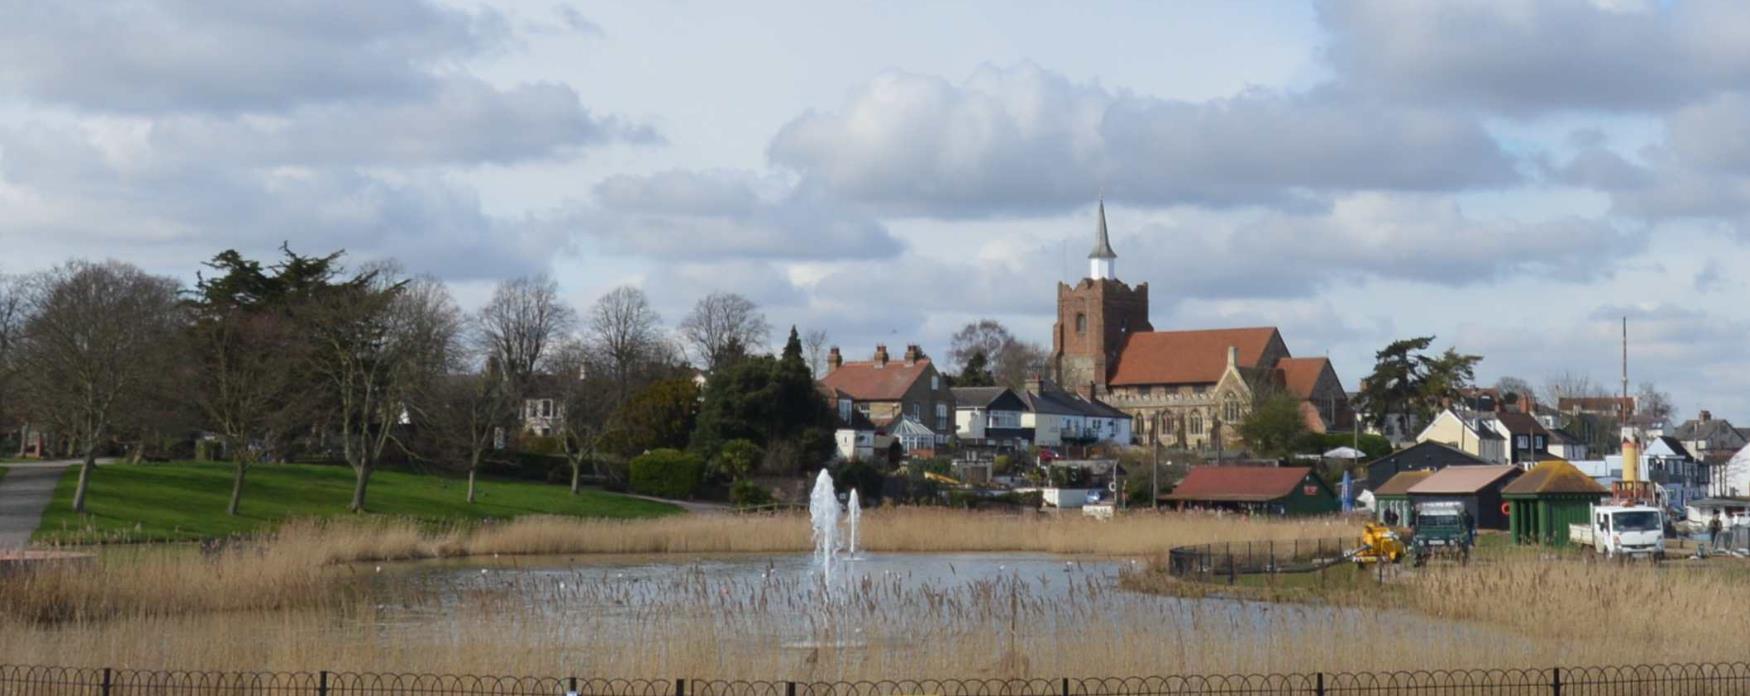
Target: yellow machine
[[1379, 543]]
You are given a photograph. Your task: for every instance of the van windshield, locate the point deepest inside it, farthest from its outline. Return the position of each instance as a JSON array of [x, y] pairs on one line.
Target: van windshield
[[1427, 520], [1639, 521]]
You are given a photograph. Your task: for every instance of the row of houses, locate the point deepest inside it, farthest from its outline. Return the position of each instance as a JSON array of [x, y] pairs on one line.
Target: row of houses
[[905, 407]]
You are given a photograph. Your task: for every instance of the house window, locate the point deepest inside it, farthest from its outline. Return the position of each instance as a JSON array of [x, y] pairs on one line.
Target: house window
[[912, 410], [1195, 425], [1230, 408], [845, 410], [941, 416], [935, 382], [1081, 323], [546, 408], [1522, 442]]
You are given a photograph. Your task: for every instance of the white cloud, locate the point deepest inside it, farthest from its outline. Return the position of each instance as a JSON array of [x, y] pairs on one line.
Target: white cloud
[[1026, 140]]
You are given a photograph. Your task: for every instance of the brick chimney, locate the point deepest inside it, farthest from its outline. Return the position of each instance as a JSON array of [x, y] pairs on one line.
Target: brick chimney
[[912, 354], [880, 355], [1035, 383], [834, 359], [1706, 416]]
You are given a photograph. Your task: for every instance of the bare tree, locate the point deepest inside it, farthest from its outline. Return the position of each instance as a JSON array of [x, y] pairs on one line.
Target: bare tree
[[721, 325], [626, 333], [1017, 363], [380, 341], [12, 319], [470, 410], [815, 342], [97, 334], [987, 336], [582, 411], [1653, 403], [521, 323], [1570, 385]]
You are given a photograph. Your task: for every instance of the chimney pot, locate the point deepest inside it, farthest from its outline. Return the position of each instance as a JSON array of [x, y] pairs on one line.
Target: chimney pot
[[912, 354], [880, 355], [1706, 416], [834, 359]]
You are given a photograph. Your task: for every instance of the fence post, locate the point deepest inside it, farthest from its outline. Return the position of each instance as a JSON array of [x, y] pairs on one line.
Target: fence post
[[1555, 681], [680, 687], [1066, 686], [789, 688], [571, 685], [1319, 683], [106, 681], [322, 683]]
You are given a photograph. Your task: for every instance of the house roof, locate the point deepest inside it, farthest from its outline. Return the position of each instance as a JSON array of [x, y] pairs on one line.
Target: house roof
[[1401, 483], [1521, 423], [1051, 399], [1429, 453], [1239, 483], [1101, 409], [977, 397], [1596, 404], [1300, 375], [1554, 476], [1187, 357], [871, 381], [1712, 430], [1674, 445], [1462, 480]]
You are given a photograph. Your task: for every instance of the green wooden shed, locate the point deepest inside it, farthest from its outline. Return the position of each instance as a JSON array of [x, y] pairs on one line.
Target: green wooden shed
[[1552, 495]]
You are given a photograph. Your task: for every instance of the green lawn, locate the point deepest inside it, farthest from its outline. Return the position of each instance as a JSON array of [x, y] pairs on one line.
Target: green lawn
[[186, 501]]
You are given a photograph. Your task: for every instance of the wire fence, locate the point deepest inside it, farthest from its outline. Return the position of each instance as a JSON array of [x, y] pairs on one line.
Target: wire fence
[[1227, 561], [1681, 679]]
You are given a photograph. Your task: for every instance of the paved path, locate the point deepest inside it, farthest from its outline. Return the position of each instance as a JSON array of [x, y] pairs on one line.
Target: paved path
[[687, 505], [24, 493]]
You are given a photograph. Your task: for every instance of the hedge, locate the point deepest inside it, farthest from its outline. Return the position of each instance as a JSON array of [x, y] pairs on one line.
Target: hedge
[[667, 473]]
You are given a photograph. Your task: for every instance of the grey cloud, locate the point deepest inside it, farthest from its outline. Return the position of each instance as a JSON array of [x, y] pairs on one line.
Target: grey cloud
[[464, 121], [725, 214], [183, 55], [1526, 56], [1025, 139]]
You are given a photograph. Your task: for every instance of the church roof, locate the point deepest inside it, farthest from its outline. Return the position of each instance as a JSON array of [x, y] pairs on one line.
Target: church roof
[[1187, 357], [1301, 375], [1102, 246]]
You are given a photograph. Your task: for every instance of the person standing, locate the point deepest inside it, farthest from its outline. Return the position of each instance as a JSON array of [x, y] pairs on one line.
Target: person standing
[[1713, 532]]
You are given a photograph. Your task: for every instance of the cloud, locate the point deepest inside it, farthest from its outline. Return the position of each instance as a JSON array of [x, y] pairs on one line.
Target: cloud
[[1027, 140], [1529, 56], [183, 55], [684, 214]]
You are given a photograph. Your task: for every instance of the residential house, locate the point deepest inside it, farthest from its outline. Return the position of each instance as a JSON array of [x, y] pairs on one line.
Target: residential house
[[1057, 417], [1665, 461], [886, 391], [1467, 433], [853, 432], [1478, 488], [1732, 480], [1566, 445], [1710, 438], [1620, 408], [1526, 439], [1422, 456], [991, 417], [1291, 490], [1179, 387]]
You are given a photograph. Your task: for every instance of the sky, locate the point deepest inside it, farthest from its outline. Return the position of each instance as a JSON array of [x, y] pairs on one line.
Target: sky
[[1512, 177]]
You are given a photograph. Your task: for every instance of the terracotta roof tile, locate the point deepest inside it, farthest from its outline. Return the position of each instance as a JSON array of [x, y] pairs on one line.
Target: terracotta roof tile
[[1239, 483], [1187, 357], [1462, 480], [1300, 375], [864, 381], [1554, 476]]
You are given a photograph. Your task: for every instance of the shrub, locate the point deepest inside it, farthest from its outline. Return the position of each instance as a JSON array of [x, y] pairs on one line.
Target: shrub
[[746, 493], [737, 459], [667, 473], [861, 476]]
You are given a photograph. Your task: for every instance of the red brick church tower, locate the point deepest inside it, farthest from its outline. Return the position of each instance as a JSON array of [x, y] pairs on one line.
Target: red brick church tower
[[1094, 318]]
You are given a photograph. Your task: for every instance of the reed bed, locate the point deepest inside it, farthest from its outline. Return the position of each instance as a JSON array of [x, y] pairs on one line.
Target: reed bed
[[301, 600]]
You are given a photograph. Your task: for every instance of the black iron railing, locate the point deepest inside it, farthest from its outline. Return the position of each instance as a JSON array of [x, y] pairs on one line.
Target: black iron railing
[[1226, 561], [1683, 679]]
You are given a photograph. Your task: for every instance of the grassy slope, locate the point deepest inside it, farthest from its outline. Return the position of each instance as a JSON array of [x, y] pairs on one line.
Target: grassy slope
[[184, 501]]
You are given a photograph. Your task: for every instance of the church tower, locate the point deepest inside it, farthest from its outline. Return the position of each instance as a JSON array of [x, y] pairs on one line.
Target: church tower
[[1094, 318]]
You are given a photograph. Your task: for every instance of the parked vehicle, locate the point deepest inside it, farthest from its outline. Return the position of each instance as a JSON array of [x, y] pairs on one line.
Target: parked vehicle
[[1631, 530], [1442, 529]]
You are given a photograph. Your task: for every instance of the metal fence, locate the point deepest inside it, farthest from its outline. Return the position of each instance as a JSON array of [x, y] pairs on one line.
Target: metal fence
[[1684, 680], [1226, 561]]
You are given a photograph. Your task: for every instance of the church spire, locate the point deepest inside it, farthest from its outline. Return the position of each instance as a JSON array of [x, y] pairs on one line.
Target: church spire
[[1101, 258]]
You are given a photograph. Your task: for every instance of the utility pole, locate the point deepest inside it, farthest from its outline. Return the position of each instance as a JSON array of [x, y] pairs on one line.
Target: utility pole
[[1154, 467]]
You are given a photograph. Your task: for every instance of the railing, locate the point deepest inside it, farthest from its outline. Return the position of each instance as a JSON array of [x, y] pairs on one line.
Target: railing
[[1683, 679], [1227, 561]]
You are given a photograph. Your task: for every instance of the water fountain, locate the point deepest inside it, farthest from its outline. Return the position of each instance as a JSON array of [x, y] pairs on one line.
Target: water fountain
[[853, 513], [823, 513]]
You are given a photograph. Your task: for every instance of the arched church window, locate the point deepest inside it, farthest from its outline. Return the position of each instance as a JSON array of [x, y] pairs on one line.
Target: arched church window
[[1081, 323], [1195, 424], [1230, 408]]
